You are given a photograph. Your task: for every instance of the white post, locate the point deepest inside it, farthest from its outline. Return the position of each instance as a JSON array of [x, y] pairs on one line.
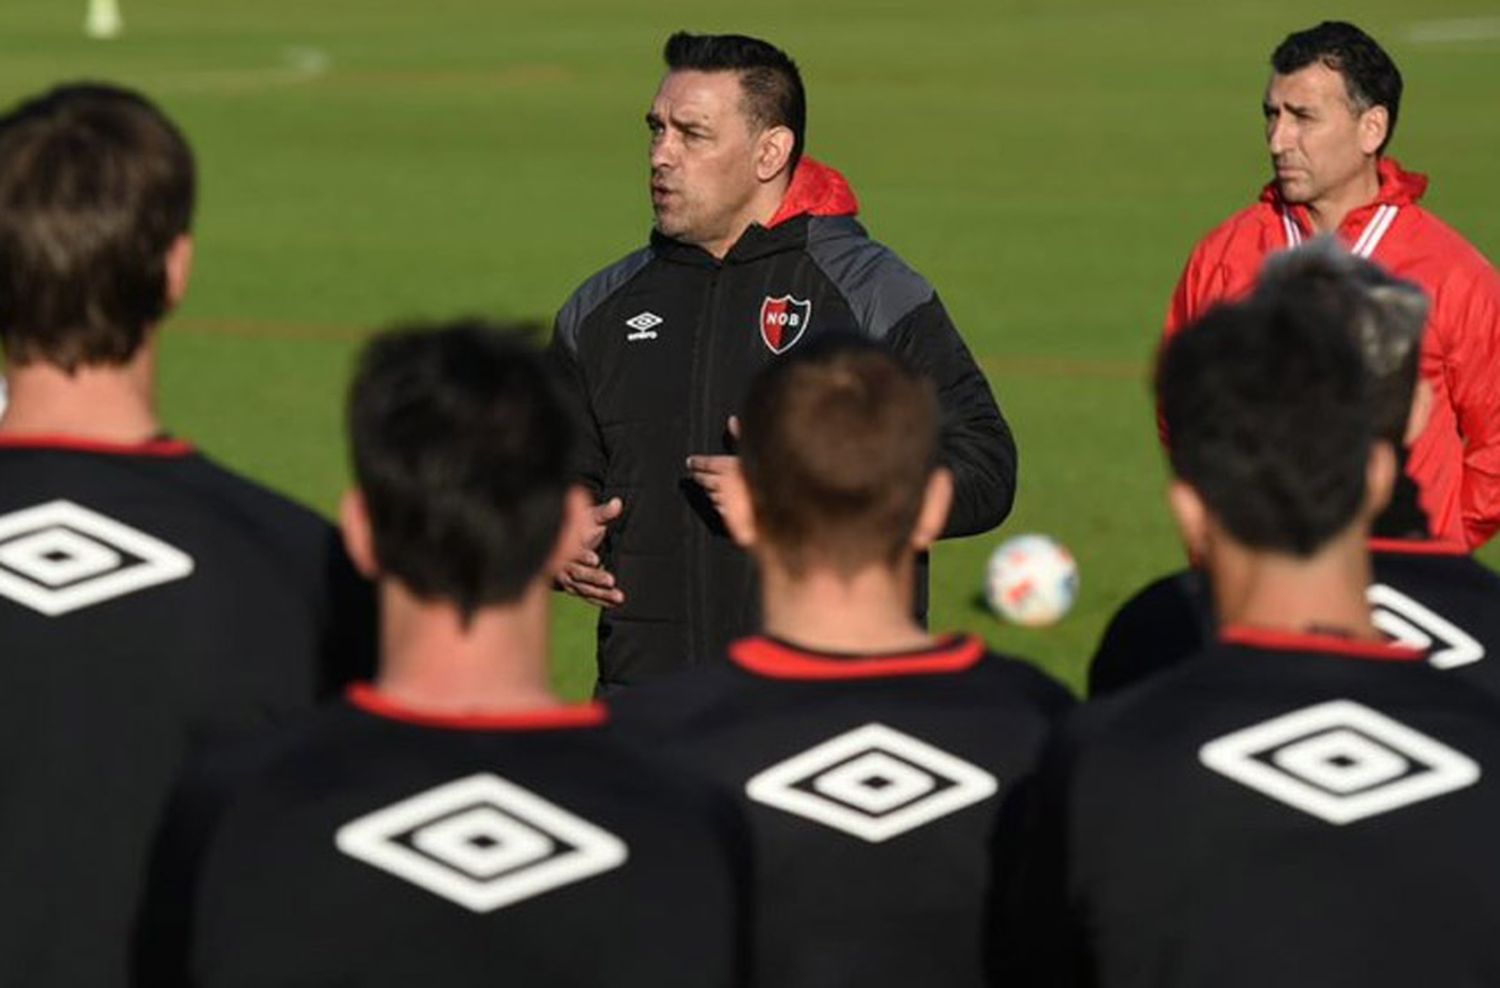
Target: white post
[[104, 20]]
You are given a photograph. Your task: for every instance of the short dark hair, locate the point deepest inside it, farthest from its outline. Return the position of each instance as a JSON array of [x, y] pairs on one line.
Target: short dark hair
[[1370, 76], [460, 447], [95, 185], [838, 442], [1270, 413], [772, 85], [1384, 315]]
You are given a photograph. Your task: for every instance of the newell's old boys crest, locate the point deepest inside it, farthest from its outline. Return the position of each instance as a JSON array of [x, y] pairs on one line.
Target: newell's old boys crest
[[783, 321]]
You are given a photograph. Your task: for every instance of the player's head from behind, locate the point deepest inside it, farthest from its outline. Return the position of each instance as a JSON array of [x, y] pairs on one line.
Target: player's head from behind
[[459, 445], [96, 205], [1386, 317], [727, 127], [1330, 108], [1279, 453], [839, 448]]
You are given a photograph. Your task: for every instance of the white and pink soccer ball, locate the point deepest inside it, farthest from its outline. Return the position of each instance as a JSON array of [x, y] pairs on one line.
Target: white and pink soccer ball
[[1031, 580]]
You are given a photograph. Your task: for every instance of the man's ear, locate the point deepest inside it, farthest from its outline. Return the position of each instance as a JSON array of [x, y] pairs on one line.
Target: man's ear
[[1380, 478], [1191, 515], [577, 508], [359, 539], [1374, 125], [179, 268], [773, 152], [937, 500], [1421, 411]]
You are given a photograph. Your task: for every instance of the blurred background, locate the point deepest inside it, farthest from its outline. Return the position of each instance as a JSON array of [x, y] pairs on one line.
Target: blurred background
[[1046, 165]]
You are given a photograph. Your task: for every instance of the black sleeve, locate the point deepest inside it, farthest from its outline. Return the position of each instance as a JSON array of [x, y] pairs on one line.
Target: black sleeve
[[976, 442], [588, 460]]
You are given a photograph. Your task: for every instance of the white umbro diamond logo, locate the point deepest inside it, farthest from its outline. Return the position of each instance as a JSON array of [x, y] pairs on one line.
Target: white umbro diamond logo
[[482, 842], [873, 782], [60, 556], [1416, 626], [1340, 761], [644, 324]]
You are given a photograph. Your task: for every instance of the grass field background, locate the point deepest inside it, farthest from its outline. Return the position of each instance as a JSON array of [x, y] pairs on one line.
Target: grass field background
[[1046, 165]]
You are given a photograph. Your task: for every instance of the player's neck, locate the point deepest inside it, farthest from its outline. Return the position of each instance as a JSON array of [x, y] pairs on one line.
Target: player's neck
[[431, 660], [761, 209], [107, 403], [823, 610], [1329, 212], [1279, 592]]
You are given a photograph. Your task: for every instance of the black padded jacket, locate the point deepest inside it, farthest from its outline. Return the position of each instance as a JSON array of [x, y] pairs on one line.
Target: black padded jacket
[[656, 352]]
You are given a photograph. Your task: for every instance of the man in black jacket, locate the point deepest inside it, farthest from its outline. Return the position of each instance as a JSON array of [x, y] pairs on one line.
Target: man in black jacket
[[755, 250]]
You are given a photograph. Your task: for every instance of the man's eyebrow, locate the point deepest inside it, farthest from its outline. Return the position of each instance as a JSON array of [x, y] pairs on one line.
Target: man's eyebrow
[[1296, 109]]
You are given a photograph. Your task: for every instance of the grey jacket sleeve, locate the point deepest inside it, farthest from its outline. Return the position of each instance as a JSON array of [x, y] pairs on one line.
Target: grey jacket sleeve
[[587, 462], [589, 458], [976, 441]]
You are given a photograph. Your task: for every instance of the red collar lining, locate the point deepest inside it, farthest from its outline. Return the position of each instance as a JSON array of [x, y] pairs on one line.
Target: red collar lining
[[766, 657], [1419, 547], [1294, 641], [817, 190], [369, 699], [78, 444]]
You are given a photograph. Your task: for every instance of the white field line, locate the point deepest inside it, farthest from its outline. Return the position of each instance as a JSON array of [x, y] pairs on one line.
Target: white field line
[[297, 64], [1454, 31]]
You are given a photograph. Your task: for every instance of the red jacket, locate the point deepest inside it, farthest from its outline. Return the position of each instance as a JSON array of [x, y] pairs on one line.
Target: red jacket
[[1456, 461]]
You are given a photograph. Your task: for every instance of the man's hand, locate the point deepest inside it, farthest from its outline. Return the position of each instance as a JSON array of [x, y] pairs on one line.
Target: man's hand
[[720, 476], [721, 479], [584, 576]]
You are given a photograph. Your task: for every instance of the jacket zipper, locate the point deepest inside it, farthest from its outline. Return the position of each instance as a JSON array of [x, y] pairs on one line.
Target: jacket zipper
[[696, 583]]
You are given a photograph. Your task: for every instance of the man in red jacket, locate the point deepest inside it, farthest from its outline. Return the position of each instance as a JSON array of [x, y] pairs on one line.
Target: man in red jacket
[[1331, 108]]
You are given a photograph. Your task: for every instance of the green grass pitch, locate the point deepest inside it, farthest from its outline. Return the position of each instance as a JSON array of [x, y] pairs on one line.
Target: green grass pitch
[[1046, 164]]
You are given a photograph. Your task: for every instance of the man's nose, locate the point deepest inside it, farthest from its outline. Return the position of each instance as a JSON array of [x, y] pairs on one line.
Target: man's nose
[[1279, 135], [663, 152]]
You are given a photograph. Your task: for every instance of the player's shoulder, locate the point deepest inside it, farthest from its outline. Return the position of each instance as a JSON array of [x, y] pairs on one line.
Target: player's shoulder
[[596, 290], [696, 698], [1011, 676], [297, 745], [1157, 628], [169, 479], [878, 286], [249, 501], [220, 778]]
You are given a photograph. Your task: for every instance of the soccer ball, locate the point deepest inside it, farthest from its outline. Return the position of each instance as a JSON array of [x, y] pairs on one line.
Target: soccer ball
[[1031, 580]]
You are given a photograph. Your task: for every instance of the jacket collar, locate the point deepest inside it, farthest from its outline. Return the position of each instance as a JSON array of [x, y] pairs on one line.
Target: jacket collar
[[1398, 187], [816, 190], [776, 659]]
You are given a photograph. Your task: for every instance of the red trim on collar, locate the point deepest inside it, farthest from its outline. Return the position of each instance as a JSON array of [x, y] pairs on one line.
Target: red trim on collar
[[369, 699], [78, 444], [817, 190], [765, 657], [1419, 547], [1294, 641]]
